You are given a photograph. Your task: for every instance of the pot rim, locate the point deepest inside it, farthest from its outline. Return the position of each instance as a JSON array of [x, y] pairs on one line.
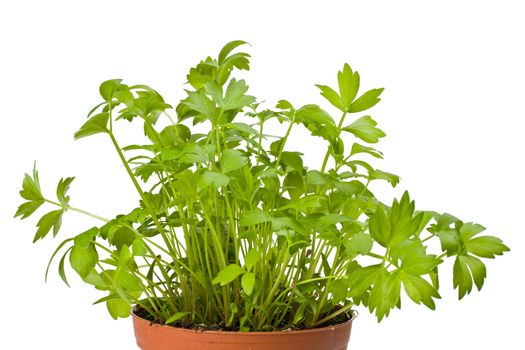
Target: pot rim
[[239, 333]]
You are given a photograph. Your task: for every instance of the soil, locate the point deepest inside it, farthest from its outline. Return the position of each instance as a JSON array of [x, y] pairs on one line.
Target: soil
[[140, 312]]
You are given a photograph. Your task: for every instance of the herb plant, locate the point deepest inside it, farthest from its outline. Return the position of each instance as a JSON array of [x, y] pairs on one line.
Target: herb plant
[[233, 230]]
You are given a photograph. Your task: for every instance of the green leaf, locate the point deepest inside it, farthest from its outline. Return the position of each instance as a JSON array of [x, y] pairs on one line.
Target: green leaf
[[53, 219], [367, 100], [31, 187], [255, 217], [377, 174], [85, 239], [200, 103], [248, 282], [417, 264], [228, 274], [365, 129], [176, 316], [195, 153], [118, 307], [243, 127], [380, 226], [357, 148], [108, 88], [229, 47], [62, 188], [61, 269], [313, 114], [385, 293], [231, 160], [419, 290], [360, 243], [361, 279], [462, 278], [235, 97], [450, 241], [213, 179], [403, 222], [292, 160], [96, 124], [469, 230], [31, 192], [138, 247], [332, 96], [486, 246], [28, 208], [60, 246], [252, 257], [348, 86], [83, 260]]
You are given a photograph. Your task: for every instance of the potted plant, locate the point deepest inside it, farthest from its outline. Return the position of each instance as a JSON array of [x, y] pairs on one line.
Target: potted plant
[[235, 243]]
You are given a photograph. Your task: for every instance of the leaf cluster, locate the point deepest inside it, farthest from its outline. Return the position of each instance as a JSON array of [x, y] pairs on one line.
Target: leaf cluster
[[232, 228]]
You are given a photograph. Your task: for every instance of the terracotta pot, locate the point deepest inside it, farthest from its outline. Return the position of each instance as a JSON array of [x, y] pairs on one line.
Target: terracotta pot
[[157, 337]]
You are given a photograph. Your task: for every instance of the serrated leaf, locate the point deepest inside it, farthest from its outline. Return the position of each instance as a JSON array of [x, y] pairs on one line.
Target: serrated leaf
[[62, 188], [228, 274], [469, 230], [385, 293], [462, 279], [332, 96], [486, 246], [360, 279], [53, 220], [28, 208], [31, 187], [417, 264], [419, 290], [231, 160], [200, 103], [235, 97], [348, 86], [95, 125], [365, 129], [367, 100], [380, 226]]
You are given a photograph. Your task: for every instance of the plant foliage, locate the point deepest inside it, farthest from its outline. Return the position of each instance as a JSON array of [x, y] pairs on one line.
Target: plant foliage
[[233, 229]]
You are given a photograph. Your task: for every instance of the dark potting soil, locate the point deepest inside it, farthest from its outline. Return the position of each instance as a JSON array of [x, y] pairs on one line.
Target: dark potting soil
[[142, 313]]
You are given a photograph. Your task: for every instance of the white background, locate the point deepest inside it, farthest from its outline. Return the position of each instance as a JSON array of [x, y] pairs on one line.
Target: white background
[[453, 110]]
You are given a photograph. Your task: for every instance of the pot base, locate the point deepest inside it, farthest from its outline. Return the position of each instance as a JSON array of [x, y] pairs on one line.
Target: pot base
[[152, 336]]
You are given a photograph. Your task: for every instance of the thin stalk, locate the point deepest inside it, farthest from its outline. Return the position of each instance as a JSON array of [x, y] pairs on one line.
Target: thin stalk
[[334, 314], [95, 216]]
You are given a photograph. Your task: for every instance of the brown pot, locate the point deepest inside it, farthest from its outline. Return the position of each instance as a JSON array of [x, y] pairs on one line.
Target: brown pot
[[152, 336]]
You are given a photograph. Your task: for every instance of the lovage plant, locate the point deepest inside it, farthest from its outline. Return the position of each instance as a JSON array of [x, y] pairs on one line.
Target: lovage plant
[[232, 230]]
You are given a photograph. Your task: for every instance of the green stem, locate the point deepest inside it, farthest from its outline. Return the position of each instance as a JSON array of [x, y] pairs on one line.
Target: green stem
[[332, 315], [95, 216], [327, 155]]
